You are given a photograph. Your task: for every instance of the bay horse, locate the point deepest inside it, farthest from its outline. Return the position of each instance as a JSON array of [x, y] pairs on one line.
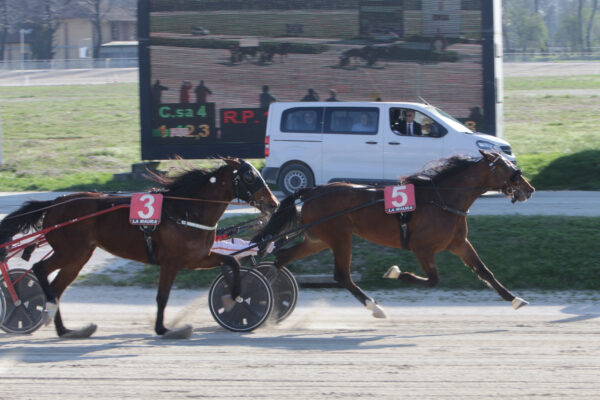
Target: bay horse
[[193, 203], [332, 213]]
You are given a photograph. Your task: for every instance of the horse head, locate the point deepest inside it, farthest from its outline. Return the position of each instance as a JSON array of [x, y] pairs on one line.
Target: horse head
[[249, 186], [509, 179]]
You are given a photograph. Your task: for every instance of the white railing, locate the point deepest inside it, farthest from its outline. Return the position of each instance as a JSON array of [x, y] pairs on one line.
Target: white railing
[[77, 63]]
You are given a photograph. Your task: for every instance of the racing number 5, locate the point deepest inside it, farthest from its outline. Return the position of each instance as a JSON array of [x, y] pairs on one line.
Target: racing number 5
[[399, 192]]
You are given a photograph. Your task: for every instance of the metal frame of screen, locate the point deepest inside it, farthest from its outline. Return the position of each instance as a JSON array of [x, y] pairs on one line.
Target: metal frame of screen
[[151, 150]]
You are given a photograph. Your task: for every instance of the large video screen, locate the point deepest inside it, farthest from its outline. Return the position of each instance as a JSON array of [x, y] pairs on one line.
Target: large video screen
[[209, 69]]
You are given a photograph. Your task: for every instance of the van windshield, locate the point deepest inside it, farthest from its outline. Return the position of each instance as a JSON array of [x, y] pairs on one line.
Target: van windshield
[[448, 119]]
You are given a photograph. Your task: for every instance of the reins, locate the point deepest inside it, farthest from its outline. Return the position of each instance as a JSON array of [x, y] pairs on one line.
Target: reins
[[299, 230], [109, 197]]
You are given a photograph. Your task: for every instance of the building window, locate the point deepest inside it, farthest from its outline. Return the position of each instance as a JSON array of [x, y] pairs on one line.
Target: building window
[[114, 31]]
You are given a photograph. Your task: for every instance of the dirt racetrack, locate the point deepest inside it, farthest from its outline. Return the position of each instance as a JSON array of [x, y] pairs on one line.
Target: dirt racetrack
[[434, 345]]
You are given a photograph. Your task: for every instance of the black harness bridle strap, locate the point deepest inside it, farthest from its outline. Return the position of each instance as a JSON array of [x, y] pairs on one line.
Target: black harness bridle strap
[[443, 205], [509, 191]]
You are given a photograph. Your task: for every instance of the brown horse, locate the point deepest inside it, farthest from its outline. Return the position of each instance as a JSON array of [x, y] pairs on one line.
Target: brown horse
[[332, 213], [193, 204]]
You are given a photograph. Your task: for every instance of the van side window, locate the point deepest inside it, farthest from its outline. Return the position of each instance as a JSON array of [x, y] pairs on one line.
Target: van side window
[[408, 122], [352, 120], [302, 119]]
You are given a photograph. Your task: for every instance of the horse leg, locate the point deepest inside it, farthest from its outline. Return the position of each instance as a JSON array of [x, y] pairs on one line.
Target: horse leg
[[69, 269], [222, 260], [41, 271], [427, 262], [165, 283], [467, 253], [65, 277], [342, 254]]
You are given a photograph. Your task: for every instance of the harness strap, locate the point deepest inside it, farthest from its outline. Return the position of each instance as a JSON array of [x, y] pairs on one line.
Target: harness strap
[[403, 219], [196, 225], [443, 206], [451, 210], [148, 244]]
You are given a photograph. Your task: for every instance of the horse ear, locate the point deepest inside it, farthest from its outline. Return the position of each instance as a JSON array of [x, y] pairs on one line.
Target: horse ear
[[232, 162], [487, 155]]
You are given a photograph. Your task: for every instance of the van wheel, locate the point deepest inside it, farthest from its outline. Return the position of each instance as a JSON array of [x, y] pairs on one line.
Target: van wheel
[[294, 177]]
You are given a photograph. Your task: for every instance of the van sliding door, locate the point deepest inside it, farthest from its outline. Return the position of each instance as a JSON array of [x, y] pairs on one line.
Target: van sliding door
[[352, 144]]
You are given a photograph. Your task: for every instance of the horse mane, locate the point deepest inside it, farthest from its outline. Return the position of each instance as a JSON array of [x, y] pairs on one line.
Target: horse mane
[[441, 170], [185, 184]]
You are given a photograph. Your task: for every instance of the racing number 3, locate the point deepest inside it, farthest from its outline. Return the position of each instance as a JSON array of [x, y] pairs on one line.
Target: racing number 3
[[145, 208], [147, 201]]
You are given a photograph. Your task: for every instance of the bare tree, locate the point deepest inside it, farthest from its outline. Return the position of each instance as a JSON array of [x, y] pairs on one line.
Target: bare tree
[[588, 33], [4, 26], [99, 9], [580, 23]]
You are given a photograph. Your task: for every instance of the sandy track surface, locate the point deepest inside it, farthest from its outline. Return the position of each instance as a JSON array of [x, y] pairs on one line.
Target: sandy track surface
[[435, 345]]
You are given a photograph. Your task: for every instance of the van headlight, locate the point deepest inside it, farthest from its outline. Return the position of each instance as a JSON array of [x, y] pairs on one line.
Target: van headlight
[[485, 145]]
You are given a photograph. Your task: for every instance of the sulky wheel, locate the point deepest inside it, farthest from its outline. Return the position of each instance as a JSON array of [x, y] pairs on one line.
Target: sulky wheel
[[251, 308], [285, 289], [27, 314], [2, 306]]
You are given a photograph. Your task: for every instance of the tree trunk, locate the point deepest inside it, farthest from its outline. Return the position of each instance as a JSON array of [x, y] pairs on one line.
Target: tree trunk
[[4, 32], [97, 24], [580, 24], [590, 25], [506, 41]]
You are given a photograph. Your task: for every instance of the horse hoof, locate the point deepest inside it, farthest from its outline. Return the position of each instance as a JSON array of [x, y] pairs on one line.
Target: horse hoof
[[376, 309], [50, 312], [392, 273], [518, 303], [82, 333], [180, 333]]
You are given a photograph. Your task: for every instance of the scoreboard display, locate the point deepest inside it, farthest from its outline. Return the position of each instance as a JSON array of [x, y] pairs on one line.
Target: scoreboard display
[[243, 125], [190, 131], [209, 70], [185, 121]]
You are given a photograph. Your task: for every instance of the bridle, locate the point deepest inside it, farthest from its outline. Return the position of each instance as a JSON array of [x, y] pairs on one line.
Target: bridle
[[246, 183], [509, 189]]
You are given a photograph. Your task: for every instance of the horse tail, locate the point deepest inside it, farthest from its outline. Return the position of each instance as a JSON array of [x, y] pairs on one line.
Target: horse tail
[[285, 218], [29, 216]]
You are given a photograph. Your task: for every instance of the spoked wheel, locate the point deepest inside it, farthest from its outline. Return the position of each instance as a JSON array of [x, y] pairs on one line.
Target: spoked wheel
[[251, 308], [27, 314], [285, 289]]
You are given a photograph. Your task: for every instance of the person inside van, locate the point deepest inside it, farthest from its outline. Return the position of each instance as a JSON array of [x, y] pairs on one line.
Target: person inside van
[[308, 122], [408, 126], [363, 125]]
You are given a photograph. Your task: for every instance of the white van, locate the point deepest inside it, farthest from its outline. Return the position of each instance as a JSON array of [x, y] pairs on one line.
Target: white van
[[314, 143]]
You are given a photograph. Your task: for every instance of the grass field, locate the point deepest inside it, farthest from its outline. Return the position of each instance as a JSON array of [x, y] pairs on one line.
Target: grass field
[[534, 252], [552, 82], [77, 137]]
